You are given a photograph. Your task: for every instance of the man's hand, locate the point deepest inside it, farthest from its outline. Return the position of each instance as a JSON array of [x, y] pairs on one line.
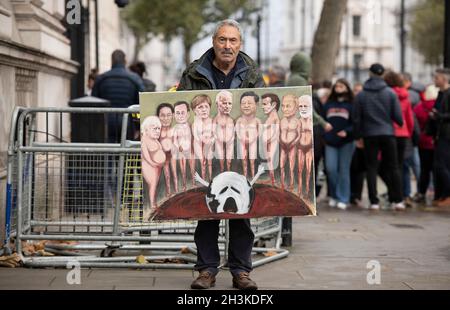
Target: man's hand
[[328, 127], [360, 143], [342, 134]]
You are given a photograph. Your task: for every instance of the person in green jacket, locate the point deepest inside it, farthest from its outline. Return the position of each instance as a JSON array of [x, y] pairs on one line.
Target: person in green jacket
[[300, 74]]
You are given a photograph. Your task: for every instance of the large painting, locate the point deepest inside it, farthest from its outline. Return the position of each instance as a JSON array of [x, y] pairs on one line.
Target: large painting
[[223, 154]]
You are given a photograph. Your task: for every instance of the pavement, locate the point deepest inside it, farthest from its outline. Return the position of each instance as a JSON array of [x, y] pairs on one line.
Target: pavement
[[330, 251]]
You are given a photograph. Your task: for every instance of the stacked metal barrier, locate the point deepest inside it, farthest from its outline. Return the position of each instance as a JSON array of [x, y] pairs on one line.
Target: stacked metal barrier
[[92, 194]]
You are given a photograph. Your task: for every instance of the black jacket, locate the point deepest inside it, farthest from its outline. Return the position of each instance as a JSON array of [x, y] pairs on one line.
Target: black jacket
[[443, 116], [198, 75], [121, 87], [375, 110]]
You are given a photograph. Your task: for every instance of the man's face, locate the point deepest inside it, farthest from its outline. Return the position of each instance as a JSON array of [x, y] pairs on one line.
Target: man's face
[[166, 117], [289, 107], [227, 44], [267, 105], [202, 110], [305, 106], [154, 131], [248, 106], [225, 104], [181, 114], [440, 80]]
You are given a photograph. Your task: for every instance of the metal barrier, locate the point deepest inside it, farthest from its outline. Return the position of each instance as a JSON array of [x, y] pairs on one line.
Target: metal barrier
[[93, 194]]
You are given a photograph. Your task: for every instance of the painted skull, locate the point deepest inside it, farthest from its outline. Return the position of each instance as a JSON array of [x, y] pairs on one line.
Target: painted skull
[[230, 192]]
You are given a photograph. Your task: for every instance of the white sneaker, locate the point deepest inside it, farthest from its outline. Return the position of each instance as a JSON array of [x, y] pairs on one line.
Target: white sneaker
[[332, 203], [342, 206], [374, 207], [399, 206]]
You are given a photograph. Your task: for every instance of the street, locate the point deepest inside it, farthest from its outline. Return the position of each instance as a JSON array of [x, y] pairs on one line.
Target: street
[[330, 251]]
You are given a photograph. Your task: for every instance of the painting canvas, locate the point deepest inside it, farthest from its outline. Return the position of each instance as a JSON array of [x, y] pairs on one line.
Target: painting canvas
[[224, 154]]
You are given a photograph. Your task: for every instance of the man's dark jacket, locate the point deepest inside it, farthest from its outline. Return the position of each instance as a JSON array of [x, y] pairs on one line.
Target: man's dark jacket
[[375, 110], [198, 75], [443, 117], [121, 87]]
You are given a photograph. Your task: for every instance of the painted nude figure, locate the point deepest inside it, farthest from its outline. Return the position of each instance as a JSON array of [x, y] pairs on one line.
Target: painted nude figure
[[305, 143], [247, 130], [271, 132], [182, 139], [202, 130], [153, 158], [289, 137], [223, 126], [165, 113]]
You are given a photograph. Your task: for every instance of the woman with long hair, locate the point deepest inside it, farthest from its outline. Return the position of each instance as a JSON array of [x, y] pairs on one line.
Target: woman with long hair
[[338, 111]]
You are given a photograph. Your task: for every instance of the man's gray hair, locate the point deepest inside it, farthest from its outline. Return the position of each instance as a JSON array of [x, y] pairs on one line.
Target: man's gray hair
[[229, 22], [223, 93]]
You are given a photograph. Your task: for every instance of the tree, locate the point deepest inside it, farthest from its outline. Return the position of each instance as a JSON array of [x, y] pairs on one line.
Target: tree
[[427, 30], [186, 19], [327, 39]]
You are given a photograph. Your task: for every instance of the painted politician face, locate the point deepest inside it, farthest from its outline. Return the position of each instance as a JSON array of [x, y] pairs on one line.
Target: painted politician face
[[305, 106], [248, 106], [225, 103], [267, 105], [181, 114], [289, 106], [202, 110], [166, 117], [153, 130]]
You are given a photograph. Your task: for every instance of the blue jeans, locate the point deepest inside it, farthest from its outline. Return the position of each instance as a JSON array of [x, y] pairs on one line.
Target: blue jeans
[[412, 162], [337, 162]]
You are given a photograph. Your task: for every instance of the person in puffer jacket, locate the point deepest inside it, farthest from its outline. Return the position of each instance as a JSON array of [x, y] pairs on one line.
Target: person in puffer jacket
[[376, 107], [121, 87]]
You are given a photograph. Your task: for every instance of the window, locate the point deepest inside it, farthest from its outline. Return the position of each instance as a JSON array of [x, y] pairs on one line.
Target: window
[[357, 60], [357, 25], [292, 27]]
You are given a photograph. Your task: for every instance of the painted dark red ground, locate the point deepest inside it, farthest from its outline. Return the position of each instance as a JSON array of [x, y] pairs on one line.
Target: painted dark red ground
[[269, 201]]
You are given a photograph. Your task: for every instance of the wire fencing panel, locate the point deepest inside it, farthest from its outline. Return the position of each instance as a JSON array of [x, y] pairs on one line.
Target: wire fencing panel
[[93, 193]]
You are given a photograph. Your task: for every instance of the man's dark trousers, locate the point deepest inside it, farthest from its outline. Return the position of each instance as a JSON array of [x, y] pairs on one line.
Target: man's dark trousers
[[442, 166], [388, 147], [239, 251]]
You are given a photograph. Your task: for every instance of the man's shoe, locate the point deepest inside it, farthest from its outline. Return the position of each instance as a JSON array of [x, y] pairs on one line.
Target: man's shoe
[[436, 201], [204, 280], [342, 206], [444, 203], [332, 203], [243, 282], [419, 198], [374, 207], [409, 203], [400, 206]]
